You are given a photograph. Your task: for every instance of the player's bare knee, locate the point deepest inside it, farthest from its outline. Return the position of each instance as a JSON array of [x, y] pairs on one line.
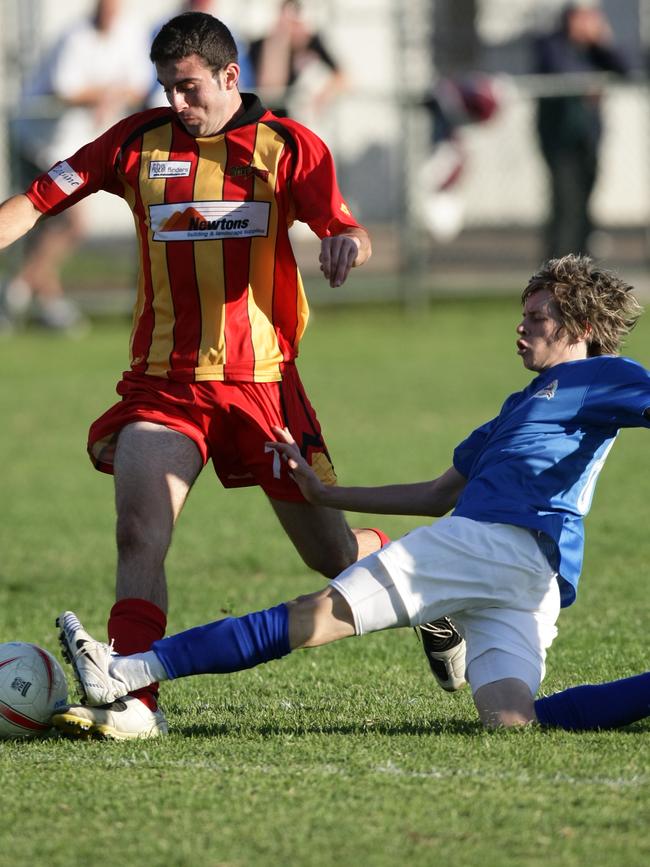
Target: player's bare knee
[[319, 618], [136, 534], [330, 562], [505, 703], [504, 719]]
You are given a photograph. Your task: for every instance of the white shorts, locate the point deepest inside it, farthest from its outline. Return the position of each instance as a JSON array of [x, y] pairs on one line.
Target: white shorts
[[491, 579]]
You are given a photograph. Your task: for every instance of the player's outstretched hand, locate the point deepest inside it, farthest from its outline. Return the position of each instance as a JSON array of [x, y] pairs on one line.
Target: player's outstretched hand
[[338, 254], [310, 485]]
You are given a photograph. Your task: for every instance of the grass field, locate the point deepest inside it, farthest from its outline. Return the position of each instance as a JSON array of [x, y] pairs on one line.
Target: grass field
[[346, 755]]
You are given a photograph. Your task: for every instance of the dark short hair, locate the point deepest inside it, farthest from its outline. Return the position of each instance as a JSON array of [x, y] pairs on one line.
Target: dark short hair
[[587, 295], [195, 33]]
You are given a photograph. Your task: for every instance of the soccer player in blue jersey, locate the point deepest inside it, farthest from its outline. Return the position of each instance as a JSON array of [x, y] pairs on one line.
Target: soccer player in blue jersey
[[505, 560]]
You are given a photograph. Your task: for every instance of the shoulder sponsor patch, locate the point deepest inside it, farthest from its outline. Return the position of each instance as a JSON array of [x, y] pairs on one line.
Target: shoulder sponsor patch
[[549, 391], [207, 221], [65, 177], [169, 168]]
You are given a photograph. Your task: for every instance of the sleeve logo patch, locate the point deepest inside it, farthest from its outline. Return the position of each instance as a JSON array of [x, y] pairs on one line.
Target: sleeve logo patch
[[170, 168], [549, 391], [208, 221], [65, 177]]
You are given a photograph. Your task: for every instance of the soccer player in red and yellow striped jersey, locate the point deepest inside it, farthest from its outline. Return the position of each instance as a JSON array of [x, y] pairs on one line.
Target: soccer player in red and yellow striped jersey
[[214, 183]]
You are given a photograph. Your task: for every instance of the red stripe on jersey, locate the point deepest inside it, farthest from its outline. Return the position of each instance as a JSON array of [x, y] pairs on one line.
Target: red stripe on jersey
[[180, 262], [236, 260], [143, 328], [285, 275]]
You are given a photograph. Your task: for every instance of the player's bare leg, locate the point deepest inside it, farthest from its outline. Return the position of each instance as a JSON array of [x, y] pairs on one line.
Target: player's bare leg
[[154, 470], [55, 243], [319, 618], [326, 543], [40, 274], [505, 703], [323, 537]]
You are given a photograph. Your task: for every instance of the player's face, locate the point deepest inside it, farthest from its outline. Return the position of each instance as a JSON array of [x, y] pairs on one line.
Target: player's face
[[543, 341], [203, 101]]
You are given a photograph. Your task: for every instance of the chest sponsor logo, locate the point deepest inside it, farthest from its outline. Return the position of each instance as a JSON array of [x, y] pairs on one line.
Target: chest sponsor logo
[[247, 171], [65, 177], [548, 391], [208, 221], [169, 168]]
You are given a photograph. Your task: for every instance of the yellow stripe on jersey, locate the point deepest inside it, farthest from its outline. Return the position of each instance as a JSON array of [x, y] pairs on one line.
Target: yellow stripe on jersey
[[267, 153], [156, 143], [208, 256]]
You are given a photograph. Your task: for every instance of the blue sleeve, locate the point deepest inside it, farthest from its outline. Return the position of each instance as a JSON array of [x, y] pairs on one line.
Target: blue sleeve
[[621, 394], [467, 451]]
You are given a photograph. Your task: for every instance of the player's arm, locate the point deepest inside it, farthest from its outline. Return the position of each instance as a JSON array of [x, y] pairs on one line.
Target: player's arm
[[339, 253], [17, 216], [433, 498]]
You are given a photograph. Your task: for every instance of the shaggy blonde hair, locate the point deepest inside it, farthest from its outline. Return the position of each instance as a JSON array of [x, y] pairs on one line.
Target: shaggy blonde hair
[[589, 299]]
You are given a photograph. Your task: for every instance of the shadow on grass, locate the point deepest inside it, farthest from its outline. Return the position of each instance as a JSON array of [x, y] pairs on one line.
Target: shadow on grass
[[442, 727]]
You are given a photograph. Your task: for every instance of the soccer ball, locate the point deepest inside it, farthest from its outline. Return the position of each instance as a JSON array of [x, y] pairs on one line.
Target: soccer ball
[[32, 688]]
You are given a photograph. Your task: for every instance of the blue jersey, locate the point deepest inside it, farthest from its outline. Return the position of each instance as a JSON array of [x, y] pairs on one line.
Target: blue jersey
[[535, 465]]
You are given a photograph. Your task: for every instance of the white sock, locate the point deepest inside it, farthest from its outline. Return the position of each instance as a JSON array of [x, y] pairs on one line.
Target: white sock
[[137, 670]]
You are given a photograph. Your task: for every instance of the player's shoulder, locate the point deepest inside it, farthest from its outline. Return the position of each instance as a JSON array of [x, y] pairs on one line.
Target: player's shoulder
[[147, 117], [596, 363], [292, 129], [618, 362], [616, 369], [135, 125]]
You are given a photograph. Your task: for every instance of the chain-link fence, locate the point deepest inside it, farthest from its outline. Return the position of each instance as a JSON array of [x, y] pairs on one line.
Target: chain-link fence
[[474, 214]]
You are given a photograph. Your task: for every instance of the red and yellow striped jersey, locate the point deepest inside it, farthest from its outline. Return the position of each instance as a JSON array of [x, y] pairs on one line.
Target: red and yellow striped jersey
[[219, 293]]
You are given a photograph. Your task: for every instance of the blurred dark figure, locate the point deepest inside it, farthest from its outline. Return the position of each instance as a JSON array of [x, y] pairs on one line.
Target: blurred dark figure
[[280, 58], [570, 126]]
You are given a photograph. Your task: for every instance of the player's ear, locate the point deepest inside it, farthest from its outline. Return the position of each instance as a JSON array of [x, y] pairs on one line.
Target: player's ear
[[230, 76]]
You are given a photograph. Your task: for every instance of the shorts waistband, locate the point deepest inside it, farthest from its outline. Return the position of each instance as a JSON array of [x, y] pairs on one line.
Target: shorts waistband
[[548, 548]]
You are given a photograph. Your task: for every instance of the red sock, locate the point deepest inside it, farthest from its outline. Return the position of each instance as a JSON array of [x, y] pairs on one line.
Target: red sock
[[383, 538], [133, 626]]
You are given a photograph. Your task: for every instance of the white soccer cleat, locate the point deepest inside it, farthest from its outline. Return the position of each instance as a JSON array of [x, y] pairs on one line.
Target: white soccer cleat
[[444, 648], [125, 719], [90, 661]]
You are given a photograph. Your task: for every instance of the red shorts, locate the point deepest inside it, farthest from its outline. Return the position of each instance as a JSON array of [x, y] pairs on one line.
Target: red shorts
[[230, 422]]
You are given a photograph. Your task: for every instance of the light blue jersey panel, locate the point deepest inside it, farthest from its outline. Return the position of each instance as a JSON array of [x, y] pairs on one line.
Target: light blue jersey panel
[[535, 465]]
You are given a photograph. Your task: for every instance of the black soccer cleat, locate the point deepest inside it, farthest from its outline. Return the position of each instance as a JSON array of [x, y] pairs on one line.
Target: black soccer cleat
[[444, 648]]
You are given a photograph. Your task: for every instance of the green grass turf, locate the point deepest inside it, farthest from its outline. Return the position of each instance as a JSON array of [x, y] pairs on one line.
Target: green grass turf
[[344, 755]]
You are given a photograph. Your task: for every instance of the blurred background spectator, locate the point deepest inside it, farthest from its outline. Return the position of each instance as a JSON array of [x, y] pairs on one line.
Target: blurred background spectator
[[464, 207], [284, 54], [453, 103], [570, 124], [97, 72]]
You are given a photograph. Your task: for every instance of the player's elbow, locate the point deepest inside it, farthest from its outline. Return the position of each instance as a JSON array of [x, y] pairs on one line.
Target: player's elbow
[[439, 509]]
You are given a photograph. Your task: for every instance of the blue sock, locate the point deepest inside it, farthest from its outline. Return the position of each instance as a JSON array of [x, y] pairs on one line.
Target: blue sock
[[226, 645], [605, 706]]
